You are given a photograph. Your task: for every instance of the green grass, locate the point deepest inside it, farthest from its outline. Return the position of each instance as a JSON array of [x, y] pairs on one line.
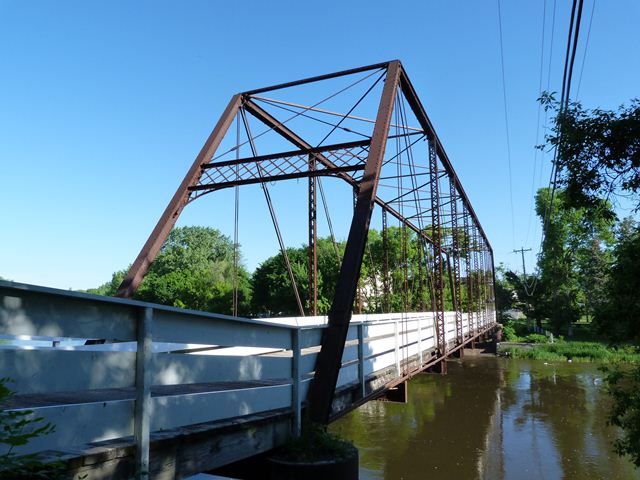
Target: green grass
[[576, 351]]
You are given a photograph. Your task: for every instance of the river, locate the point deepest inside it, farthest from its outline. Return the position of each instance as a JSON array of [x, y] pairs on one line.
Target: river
[[491, 418]]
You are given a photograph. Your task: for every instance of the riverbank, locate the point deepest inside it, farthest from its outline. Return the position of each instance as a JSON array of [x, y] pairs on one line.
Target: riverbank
[[574, 351]]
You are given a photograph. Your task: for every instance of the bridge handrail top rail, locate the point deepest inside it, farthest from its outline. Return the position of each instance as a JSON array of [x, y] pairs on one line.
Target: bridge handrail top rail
[[30, 288], [25, 287]]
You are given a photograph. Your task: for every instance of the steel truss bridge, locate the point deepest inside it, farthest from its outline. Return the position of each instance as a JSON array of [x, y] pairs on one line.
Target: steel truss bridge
[[159, 374]]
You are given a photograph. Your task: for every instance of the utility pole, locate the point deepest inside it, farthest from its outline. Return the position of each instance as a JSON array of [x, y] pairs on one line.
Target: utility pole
[[522, 250]]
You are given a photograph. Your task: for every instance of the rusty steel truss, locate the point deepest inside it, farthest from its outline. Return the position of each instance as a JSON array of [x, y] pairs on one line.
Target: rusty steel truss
[[429, 200]]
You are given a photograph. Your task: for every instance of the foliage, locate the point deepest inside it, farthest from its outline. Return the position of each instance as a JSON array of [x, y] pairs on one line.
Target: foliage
[[194, 269], [272, 288], [509, 333], [536, 338], [598, 151], [598, 159], [17, 428], [505, 295], [315, 444], [575, 351], [622, 385], [575, 248], [618, 316], [409, 270]]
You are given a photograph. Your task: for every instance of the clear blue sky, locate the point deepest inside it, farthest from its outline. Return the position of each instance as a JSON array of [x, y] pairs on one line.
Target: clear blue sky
[[104, 105]]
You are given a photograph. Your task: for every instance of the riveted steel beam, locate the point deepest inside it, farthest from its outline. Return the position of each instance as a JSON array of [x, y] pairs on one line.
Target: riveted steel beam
[[168, 219], [334, 336]]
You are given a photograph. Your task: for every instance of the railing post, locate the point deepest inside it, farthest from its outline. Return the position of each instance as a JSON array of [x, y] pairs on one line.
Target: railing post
[[420, 341], [295, 385], [142, 411], [395, 328], [361, 359]]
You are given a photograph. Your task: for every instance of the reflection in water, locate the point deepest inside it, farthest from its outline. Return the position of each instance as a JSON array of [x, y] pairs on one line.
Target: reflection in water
[[491, 418]]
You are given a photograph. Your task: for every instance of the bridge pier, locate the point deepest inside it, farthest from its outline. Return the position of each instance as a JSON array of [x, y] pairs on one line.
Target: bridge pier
[[438, 367], [459, 353]]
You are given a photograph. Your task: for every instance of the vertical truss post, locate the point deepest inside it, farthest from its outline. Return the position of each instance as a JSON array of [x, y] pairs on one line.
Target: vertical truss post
[[359, 287], [333, 339], [485, 270], [436, 236], [493, 285], [477, 294], [406, 300], [168, 219], [385, 265], [313, 235], [468, 270], [485, 289], [421, 279], [456, 259]]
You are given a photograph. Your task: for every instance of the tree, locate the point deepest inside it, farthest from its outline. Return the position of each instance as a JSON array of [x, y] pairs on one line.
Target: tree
[[618, 315], [622, 385], [194, 269], [598, 153], [574, 247], [598, 158], [272, 291]]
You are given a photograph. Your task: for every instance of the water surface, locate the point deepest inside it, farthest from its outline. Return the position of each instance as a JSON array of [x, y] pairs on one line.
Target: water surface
[[491, 418]]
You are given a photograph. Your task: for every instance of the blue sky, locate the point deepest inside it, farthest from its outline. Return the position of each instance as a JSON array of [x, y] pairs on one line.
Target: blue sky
[[104, 106]]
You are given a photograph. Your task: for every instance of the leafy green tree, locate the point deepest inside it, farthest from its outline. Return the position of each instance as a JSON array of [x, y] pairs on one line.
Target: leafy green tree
[[194, 269], [598, 152], [598, 158], [574, 248], [505, 293], [618, 315], [409, 270], [271, 285], [558, 291], [622, 385]]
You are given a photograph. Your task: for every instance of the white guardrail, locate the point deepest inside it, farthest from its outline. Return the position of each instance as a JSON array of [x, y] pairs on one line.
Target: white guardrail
[[203, 367]]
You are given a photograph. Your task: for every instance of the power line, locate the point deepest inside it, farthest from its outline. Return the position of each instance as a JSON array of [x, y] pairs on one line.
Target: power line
[[536, 150], [506, 121], [570, 55], [586, 47]]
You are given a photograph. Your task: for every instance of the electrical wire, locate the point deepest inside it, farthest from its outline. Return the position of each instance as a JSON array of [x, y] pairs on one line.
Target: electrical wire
[[586, 47], [506, 121], [536, 150], [570, 54]]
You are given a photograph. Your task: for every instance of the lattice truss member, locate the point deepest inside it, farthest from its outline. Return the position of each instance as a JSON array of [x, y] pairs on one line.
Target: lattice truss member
[[367, 127]]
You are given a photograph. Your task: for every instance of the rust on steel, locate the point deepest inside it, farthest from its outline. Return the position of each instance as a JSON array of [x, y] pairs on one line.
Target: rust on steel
[[436, 235], [313, 235], [359, 164], [168, 219], [455, 252], [334, 336]]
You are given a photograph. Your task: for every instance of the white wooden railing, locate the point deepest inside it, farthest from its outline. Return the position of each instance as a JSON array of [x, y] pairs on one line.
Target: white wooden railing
[[204, 367]]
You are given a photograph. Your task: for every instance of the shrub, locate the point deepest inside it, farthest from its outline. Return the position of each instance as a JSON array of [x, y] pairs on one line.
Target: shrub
[[16, 429], [509, 333], [536, 338], [315, 444]]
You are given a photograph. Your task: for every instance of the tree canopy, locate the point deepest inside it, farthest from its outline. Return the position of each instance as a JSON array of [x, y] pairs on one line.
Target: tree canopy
[[598, 159], [194, 269], [573, 256], [598, 152]]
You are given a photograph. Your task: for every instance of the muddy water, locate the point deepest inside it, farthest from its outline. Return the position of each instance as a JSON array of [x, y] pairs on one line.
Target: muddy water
[[491, 418]]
